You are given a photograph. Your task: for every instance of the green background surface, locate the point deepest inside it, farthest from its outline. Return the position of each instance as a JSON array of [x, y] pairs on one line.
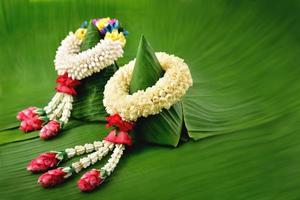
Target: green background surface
[[244, 59]]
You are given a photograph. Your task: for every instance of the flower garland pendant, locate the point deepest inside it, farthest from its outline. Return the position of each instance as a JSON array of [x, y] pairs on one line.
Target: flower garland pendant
[[115, 141], [125, 109], [73, 66]]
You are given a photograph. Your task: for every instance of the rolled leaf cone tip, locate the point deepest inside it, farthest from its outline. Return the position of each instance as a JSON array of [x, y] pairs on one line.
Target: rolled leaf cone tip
[[168, 123], [86, 100], [145, 59], [91, 38]]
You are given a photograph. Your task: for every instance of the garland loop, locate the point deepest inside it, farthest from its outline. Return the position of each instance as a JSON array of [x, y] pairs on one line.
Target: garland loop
[[167, 91], [78, 64]]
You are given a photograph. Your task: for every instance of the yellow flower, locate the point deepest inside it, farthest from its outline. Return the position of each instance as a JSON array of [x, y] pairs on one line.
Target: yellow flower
[[101, 23], [115, 35], [80, 33]]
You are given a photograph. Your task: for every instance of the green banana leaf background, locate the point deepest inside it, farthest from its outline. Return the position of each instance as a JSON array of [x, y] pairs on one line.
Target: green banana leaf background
[[241, 117]]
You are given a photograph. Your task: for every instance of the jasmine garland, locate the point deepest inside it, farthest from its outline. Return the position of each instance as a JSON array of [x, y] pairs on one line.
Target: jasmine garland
[[79, 65], [72, 66], [52, 159], [167, 91], [124, 109]]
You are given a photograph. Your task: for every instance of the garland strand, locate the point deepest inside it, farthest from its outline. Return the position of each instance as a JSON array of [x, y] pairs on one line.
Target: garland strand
[[92, 179], [49, 160], [115, 141], [56, 176]]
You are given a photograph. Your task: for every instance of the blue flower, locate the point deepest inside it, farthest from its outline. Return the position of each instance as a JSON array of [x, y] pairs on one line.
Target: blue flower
[[84, 24]]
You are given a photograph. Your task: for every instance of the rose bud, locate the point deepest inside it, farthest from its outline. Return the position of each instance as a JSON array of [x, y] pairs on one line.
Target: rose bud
[[42, 163], [117, 121], [52, 177], [111, 137], [89, 181], [126, 126], [31, 124], [66, 84], [27, 113], [50, 130], [113, 120], [123, 138]]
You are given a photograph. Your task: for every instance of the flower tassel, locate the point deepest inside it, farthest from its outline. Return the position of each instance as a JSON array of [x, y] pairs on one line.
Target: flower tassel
[[52, 159], [56, 176], [120, 137], [32, 119], [57, 113], [92, 179], [115, 141]]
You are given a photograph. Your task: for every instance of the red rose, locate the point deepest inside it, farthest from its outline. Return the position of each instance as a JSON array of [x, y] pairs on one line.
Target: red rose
[[117, 121], [123, 138], [52, 177], [120, 138], [31, 124], [112, 136], [67, 81], [50, 130], [65, 89], [113, 120], [66, 84], [42, 163], [126, 126], [89, 181], [27, 113]]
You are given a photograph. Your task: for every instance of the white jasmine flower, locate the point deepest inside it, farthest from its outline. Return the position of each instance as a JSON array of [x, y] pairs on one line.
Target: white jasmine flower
[[78, 64], [80, 149], [167, 91], [70, 152]]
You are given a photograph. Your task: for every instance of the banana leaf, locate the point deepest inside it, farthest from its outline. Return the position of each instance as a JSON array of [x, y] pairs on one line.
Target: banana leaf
[[91, 37], [88, 104], [243, 106], [164, 128]]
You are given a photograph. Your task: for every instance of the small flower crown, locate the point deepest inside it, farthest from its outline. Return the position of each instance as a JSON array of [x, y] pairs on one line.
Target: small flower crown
[[72, 65]]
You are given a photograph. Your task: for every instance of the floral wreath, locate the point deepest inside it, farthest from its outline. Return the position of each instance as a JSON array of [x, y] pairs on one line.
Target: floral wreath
[[167, 91], [72, 66], [124, 110]]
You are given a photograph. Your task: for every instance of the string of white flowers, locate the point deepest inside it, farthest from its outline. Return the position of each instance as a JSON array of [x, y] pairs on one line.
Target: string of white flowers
[[86, 148], [66, 113], [60, 106], [167, 91], [57, 112], [93, 157], [114, 159], [97, 156], [54, 102], [78, 64]]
